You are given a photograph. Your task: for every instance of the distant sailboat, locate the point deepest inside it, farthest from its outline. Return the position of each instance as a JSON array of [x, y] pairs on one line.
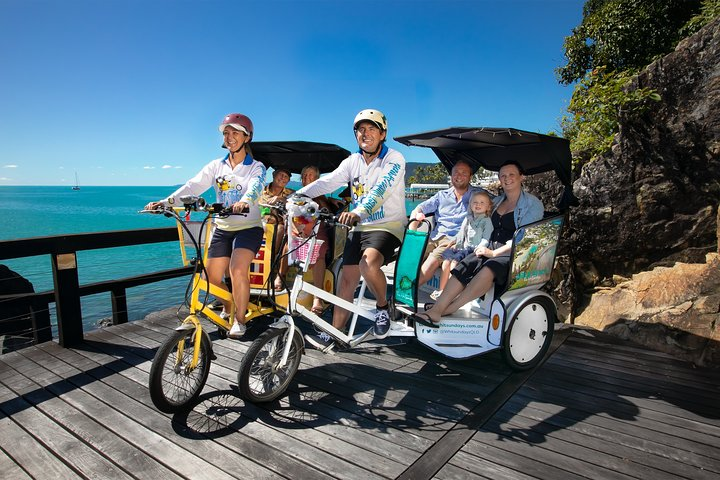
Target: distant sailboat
[[77, 185]]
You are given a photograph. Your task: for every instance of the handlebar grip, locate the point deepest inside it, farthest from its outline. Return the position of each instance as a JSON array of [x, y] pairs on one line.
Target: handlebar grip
[[221, 209]]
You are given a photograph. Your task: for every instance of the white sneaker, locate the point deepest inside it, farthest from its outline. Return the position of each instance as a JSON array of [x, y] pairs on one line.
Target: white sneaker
[[434, 295], [237, 330]]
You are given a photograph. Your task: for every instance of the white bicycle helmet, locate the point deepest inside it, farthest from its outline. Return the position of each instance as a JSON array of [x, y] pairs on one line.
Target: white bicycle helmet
[[371, 115]]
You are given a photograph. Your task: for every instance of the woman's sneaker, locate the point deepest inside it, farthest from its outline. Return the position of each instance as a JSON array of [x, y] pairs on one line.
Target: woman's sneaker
[[237, 330], [382, 323], [322, 341]]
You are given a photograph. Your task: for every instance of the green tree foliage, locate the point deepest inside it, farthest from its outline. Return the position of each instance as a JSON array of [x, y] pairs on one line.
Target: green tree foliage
[[710, 10], [624, 34], [615, 39], [595, 106], [431, 173], [437, 173]]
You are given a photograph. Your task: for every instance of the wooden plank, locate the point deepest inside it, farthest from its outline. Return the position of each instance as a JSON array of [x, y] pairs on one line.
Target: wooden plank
[[118, 437], [685, 398], [628, 367], [285, 444], [608, 348], [577, 358], [357, 393], [614, 398], [378, 457], [597, 452], [230, 451], [531, 401], [84, 460], [369, 413], [463, 464], [8, 467], [442, 451], [31, 457], [591, 404], [498, 453]]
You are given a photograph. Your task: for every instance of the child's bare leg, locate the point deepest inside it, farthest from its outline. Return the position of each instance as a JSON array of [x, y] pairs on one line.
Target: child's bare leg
[[447, 265]]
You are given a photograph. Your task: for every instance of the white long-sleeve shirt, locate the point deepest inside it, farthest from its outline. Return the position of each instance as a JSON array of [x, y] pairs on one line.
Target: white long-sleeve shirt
[[378, 190], [244, 183]]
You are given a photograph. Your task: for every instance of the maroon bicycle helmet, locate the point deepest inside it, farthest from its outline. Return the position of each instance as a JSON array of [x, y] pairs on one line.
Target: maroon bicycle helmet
[[239, 122]]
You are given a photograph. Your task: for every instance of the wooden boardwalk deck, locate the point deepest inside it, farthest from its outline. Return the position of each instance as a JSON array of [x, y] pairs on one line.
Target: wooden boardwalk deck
[[595, 409]]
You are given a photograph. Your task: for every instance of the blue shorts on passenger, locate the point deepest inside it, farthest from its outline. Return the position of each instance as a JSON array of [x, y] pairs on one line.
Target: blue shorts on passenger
[[225, 241]]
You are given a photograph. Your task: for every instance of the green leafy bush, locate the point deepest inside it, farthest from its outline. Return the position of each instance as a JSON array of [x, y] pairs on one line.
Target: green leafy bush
[[595, 108]]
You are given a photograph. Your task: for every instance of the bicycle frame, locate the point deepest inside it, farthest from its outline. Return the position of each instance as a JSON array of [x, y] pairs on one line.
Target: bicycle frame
[[301, 286], [200, 285]]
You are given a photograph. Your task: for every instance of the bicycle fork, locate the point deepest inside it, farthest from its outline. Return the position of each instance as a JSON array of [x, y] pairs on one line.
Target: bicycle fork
[[190, 322], [286, 322]]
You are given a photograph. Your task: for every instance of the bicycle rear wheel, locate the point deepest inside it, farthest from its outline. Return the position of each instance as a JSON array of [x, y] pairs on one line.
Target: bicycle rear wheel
[[260, 378], [174, 386]]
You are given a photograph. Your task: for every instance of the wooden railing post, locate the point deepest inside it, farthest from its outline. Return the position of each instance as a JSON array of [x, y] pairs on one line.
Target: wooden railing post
[[67, 298], [119, 306]]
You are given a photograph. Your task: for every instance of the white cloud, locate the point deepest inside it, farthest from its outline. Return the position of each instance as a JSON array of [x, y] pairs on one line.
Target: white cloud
[[148, 167], [178, 166], [4, 179], [9, 166], [165, 167]]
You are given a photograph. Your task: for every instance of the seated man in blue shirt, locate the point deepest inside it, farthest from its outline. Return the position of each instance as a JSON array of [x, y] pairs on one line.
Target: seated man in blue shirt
[[450, 207]]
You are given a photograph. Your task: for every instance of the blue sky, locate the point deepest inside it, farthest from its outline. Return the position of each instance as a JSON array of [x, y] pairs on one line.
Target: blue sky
[[131, 92]]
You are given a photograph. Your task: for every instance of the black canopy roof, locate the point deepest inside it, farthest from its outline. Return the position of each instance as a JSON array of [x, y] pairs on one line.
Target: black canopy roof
[[294, 155], [489, 148]]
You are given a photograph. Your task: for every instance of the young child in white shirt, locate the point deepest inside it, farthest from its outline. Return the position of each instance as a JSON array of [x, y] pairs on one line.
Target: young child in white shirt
[[474, 231]]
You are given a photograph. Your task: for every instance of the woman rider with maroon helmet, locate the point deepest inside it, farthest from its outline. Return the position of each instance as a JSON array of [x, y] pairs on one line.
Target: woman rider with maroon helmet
[[238, 180]]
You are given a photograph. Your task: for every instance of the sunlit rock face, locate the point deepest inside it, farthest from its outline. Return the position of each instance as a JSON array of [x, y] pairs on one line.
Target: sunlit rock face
[[655, 197], [637, 254]]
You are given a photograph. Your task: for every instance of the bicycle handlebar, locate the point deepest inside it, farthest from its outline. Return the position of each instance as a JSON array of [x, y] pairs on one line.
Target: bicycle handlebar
[[198, 205]]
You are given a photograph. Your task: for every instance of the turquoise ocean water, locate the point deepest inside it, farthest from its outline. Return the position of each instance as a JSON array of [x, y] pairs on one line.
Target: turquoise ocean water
[[32, 211]]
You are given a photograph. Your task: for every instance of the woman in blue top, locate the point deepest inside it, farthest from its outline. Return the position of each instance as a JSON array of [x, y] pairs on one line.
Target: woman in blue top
[[238, 180], [479, 271]]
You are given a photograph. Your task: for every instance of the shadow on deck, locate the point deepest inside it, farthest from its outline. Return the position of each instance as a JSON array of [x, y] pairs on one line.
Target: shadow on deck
[[596, 408]]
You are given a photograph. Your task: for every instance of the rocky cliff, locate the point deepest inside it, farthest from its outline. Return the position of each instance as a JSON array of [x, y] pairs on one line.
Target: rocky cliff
[[653, 202]]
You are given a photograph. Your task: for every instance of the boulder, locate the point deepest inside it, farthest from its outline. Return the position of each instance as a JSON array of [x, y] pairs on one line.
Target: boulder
[[655, 197], [639, 255], [672, 309], [15, 321]]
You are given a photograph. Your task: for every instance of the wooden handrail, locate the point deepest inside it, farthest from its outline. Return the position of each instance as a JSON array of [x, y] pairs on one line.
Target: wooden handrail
[[67, 291], [29, 247]]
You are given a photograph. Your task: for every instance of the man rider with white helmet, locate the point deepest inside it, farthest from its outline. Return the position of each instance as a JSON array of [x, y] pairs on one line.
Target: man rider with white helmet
[[376, 177]]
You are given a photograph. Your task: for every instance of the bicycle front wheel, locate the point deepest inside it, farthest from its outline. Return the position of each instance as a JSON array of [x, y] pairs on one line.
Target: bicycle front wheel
[[261, 378], [173, 384]]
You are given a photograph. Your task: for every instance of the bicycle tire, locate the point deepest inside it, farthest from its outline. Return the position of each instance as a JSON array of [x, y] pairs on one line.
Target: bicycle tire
[[173, 388], [259, 379]]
